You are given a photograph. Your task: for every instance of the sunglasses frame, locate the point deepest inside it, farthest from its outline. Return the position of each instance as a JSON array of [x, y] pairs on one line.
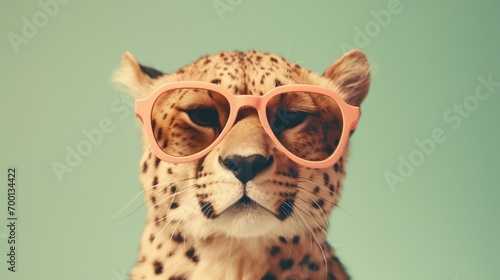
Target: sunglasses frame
[[350, 116]]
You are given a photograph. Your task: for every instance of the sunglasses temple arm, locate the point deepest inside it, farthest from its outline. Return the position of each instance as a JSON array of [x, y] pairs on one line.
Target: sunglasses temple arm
[[354, 124], [137, 112]]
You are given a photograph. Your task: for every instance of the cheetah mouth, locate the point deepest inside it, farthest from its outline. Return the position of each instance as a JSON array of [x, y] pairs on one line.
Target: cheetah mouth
[[244, 200], [246, 204]]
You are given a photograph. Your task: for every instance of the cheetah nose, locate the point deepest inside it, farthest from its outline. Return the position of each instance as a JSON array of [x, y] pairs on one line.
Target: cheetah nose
[[246, 168]]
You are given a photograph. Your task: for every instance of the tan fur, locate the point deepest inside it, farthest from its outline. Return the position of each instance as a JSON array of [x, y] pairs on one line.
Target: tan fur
[[182, 242]]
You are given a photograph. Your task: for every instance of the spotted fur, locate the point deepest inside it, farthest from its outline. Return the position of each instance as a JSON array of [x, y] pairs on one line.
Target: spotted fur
[[198, 227]]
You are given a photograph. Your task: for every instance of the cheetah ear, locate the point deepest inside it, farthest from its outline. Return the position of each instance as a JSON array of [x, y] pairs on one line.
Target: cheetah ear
[[351, 73], [135, 78]]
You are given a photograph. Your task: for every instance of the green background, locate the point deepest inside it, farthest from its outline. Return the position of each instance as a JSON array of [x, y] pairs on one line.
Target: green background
[[442, 222]]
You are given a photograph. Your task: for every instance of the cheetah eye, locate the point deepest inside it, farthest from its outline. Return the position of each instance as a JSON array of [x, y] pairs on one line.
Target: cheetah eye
[[285, 119], [206, 117]]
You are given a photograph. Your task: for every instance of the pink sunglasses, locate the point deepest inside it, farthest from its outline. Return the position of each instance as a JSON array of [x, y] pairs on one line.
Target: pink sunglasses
[[309, 124]]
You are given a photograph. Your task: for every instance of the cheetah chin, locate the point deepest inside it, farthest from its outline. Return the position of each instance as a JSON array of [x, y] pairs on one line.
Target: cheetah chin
[[207, 221]]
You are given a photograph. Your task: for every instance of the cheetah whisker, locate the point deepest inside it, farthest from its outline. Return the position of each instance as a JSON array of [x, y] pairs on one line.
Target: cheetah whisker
[[317, 241], [319, 226], [312, 199], [173, 232], [326, 220], [326, 199], [189, 55], [290, 251], [172, 195], [317, 194], [325, 187], [142, 205], [162, 219], [172, 201], [300, 224], [156, 235], [140, 193], [303, 179], [321, 223], [290, 68], [130, 202]]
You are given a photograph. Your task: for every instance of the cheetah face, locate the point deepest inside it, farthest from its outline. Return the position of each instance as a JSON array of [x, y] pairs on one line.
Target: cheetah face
[[245, 186]]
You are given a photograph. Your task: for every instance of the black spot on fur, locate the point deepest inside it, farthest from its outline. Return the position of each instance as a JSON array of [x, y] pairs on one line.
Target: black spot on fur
[[286, 264], [285, 209], [215, 81], [318, 204], [151, 72], [305, 260], [296, 239], [282, 240], [331, 276], [178, 238], [158, 267], [326, 179], [293, 172], [157, 162], [174, 205], [145, 167], [277, 83], [191, 254], [313, 266], [155, 181], [275, 250], [274, 59], [177, 277], [208, 210], [269, 276]]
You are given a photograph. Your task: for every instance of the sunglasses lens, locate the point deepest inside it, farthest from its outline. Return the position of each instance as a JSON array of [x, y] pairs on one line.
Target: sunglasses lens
[[307, 124], [186, 121]]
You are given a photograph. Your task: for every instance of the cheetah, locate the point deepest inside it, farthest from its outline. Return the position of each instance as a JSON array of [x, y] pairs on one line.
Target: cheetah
[[243, 210]]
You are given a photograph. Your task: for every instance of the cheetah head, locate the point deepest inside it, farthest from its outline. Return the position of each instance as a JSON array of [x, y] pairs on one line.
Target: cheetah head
[[270, 195]]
